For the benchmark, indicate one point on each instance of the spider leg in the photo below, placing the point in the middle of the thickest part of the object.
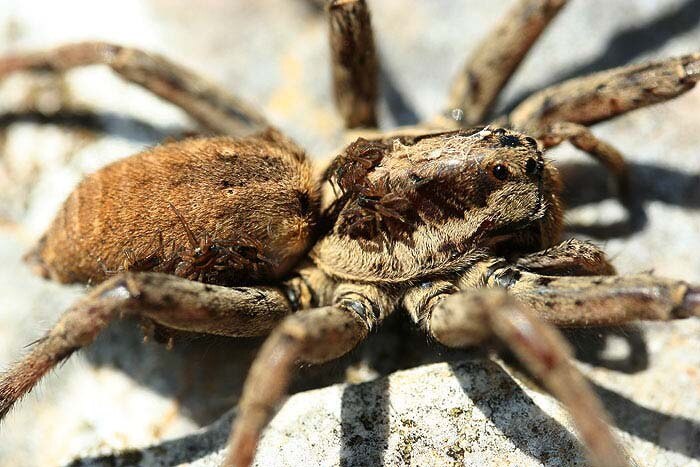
(599, 300)
(584, 139)
(563, 111)
(475, 316)
(211, 106)
(354, 62)
(314, 336)
(167, 300)
(569, 258)
(497, 57)
(606, 94)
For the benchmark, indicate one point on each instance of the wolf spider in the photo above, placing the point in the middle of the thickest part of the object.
(455, 224)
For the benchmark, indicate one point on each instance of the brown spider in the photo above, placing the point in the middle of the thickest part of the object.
(455, 224)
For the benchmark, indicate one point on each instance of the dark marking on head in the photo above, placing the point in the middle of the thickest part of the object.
(510, 141)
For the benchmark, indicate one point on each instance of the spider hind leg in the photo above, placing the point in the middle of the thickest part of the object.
(169, 301)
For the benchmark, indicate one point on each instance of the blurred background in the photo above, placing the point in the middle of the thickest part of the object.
(54, 129)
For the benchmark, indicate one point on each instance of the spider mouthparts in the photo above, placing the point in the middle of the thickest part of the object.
(690, 306)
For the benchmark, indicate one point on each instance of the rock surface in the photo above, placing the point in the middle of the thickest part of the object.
(468, 412)
(121, 395)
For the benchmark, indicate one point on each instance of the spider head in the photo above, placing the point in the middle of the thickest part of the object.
(464, 189)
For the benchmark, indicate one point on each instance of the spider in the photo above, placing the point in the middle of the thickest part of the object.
(455, 224)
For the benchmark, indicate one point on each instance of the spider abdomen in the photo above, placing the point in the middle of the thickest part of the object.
(219, 210)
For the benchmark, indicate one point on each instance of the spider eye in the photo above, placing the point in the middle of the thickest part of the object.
(500, 171)
(531, 167)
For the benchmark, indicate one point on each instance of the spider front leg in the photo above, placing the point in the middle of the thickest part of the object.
(563, 111)
(498, 56)
(213, 107)
(473, 317)
(584, 139)
(599, 300)
(313, 336)
(167, 300)
(606, 94)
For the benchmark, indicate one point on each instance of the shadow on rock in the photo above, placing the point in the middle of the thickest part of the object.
(590, 183)
(593, 346)
(205, 374)
(399, 108)
(174, 452)
(364, 424)
(112, 123)
(670, 432)
(517, 416)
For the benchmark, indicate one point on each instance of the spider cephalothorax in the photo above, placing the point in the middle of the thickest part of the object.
(418, 206)
(456, 227)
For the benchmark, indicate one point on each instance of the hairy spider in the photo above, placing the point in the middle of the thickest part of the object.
(455, 224)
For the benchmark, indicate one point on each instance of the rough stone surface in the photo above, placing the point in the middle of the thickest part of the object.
(122, 395)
